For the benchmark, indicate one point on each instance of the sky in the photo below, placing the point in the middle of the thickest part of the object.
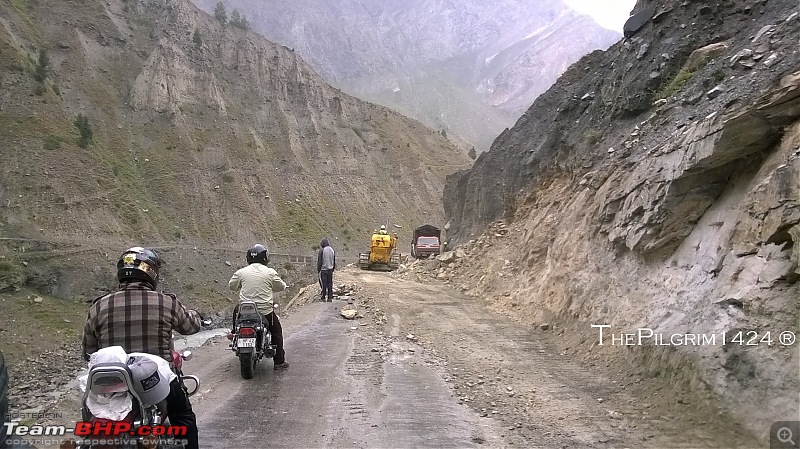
(610, 14)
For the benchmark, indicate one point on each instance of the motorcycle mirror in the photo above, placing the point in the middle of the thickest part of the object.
(192, 384)
(186, 355)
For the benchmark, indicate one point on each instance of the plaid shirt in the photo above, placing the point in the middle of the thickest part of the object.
(139, 319)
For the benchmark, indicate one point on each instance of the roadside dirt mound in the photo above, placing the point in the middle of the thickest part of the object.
(487, 270)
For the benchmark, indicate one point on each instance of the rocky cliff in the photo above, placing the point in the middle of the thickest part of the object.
(657, 185)
(467, 67)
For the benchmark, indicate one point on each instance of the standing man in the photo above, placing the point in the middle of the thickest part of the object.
(326, 263)
(256, 282)
(140, 319)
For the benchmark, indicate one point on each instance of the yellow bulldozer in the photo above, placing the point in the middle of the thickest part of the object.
(382, 255)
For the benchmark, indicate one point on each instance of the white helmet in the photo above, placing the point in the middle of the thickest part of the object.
(383, 227)
(150, 378)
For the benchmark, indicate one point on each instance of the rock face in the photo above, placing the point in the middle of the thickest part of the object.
(639, 199)
(468, 67)
(665, 195)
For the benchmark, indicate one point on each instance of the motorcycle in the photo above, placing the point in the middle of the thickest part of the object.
(113, 383)
(252, 340)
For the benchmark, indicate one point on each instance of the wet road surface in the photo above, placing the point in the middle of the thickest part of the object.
(340, 390)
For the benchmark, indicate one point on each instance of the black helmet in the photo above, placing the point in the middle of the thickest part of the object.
(258, 253)
(139, 264)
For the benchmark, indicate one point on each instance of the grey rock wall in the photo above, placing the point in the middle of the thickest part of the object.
(640, 203)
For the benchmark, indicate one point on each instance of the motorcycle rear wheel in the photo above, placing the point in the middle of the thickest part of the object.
(247, 364)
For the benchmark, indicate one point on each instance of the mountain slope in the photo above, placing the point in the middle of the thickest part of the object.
(655, 187)
(202, 136)
(468, 67)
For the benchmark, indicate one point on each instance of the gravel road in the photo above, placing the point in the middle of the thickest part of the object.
(426, 367)
(423, 366)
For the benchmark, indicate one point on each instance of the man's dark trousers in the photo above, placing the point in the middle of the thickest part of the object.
(326, 276)
(180, 413)
(277, 337)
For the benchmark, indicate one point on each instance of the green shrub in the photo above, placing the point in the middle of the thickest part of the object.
(42, 66)
(592, 136)
(51, 142)
(684, 74)
(220, 14)
(197, 39)
(718, 75)
(85, 130)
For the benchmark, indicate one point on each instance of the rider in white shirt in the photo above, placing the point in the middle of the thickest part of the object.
(256, 282)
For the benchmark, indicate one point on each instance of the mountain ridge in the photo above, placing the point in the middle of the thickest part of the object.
(427, 59)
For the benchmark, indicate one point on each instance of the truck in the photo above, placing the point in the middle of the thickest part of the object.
(426, 242)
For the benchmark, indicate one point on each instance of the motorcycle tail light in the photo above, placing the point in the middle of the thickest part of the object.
(247, 332)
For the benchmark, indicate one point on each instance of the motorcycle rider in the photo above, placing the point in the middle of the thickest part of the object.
(256, 282)
(140, 319)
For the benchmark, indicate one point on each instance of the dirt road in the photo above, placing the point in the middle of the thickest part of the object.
(426, 367)
(350, 384)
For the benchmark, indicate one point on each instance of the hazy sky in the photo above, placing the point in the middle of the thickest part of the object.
(610, 14)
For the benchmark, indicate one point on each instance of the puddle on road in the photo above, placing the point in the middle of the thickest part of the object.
(192, 341)
(181, 342)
